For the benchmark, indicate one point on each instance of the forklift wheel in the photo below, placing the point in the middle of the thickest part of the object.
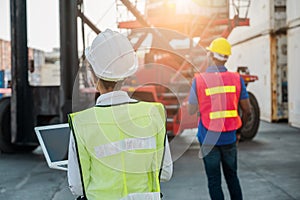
(5, 130)
(249, 130)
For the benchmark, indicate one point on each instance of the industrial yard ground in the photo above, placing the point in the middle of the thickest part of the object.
(269, 169)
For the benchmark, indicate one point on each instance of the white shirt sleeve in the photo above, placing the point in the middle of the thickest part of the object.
(167, 166)
(74, 177)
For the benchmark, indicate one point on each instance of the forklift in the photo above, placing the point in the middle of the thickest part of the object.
(31, 106)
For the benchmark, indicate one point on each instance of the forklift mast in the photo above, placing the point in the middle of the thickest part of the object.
(68, 55)
(29, 105)
(21, 99)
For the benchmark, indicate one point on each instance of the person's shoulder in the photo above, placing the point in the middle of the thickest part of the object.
(82, 112)
(145, 103)
(234, 74)
(153, 105)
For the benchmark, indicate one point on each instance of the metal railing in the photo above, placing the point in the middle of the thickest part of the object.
(240, 8)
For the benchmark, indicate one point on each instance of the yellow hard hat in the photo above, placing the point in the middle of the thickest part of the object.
(220, 46)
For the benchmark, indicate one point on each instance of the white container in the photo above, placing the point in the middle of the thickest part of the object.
(260, 22)
(293, 22)
(263, 48)
(255, 54)
(293, 76)
(293, 14)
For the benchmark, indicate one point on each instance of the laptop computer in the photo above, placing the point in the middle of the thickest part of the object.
(54, 141)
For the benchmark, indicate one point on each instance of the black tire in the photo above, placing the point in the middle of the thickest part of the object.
(249, 130)
(54, 120)
(5, 130)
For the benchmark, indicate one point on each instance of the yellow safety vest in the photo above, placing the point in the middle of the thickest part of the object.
(120, 150)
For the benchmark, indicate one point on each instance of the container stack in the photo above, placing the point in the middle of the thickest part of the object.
(293, 35)
(263, 48)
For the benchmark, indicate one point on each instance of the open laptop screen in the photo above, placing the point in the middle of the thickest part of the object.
(55, 139)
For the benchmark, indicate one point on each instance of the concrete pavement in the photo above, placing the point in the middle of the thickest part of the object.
(269, 168)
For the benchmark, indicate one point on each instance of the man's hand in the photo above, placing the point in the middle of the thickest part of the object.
(246, 109)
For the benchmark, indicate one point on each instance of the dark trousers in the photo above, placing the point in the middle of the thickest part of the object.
(225, 155)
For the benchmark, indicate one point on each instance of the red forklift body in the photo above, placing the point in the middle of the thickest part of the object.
(166, 70)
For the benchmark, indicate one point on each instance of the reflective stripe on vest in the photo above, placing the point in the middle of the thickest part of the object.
(218, 97)
(143, 196)
(220, 90)
(120, 150)
(223, 114)
(125, 145)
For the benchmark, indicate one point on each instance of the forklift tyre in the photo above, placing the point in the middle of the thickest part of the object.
(249, 130)
(5, 130)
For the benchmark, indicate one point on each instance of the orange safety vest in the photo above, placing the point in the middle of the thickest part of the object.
(218, 98)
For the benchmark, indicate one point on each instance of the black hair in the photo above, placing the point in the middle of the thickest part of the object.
(216, 61)
(115, 85)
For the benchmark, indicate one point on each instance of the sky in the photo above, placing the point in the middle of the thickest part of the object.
(43, 21)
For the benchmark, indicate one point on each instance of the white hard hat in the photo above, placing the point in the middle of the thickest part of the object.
(112, 56)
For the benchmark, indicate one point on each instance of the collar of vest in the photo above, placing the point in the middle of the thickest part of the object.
(117, 104)
(114, 97)
(216, 69)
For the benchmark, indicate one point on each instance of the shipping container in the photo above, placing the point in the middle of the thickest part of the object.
(36, 61)
(293, 23)
(293, 14)
(5, 58)
(255, 54)
(263, 48)
(260, 22)
(44, 69)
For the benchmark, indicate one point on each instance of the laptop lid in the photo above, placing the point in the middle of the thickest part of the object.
(54, 141)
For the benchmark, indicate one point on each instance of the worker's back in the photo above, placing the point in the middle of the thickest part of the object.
(120, 149)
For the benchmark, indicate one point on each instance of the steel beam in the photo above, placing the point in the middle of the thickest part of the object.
(88, 22)
(21, 100)
(68, 54)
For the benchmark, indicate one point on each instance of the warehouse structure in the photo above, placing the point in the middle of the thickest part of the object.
(270, 48)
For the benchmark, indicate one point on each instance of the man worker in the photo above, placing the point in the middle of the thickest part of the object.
(118, 149)
(216, 94)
